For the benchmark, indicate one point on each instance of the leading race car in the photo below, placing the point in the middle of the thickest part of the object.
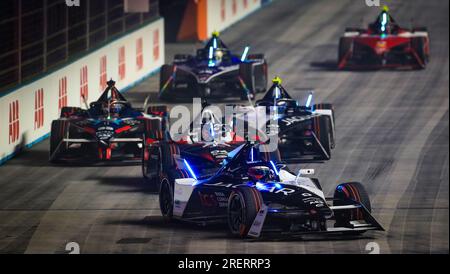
(305, 131)
(109, 129)
(384, 45)
(258, 196)
(214, 71)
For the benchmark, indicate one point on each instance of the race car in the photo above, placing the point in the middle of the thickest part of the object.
(305, 131)
(258, 197)
(208, 139)
(214, 71)
(384, 45)
(109, 129)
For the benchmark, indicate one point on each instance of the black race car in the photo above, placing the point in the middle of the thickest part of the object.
(305, 131)
(214, 71)
(384, 44)
(256, 195)
(109, 129)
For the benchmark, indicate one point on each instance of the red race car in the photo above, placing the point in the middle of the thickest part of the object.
(384, 45)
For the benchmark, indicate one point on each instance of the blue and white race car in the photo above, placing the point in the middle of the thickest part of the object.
(258, 196)
(305, 131)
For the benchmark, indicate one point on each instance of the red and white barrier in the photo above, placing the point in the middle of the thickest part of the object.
(26, 113)
(202, 17)
(223, 13)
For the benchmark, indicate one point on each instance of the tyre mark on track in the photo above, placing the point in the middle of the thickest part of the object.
(416, 223)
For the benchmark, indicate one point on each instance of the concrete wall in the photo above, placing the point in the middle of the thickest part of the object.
(26, 113)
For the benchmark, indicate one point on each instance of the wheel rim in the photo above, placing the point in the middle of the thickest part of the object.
(235, 214)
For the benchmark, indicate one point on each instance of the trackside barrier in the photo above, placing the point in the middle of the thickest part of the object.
(202, 17)
(26, 113)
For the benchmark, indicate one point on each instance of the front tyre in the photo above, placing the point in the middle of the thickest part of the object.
(166, 200)
(347, 194)
(243, 206)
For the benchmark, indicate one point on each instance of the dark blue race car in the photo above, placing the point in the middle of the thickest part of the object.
(109, 129)
(214, 71)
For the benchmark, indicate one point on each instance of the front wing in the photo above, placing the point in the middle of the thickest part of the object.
(259, 225)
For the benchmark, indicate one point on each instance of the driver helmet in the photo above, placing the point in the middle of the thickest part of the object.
(218, 55)
(115, 109)
(105, 107)
(260, 173)
(208, 132)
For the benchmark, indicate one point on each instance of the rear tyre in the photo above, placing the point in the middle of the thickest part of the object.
(322, 130)
(344, 48)
(58, 131)
(261, 78)
(69, 111)
(181, 58)
(350, 193)
(151, 164)
(165, 82)
(257, 56)
(260, 72)
(158, 128)
(329, 106)
(154, 131)
(246, 73)
(243, 206)
(160, 110)
(151, 153)
(168, 150)
(419, 45)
